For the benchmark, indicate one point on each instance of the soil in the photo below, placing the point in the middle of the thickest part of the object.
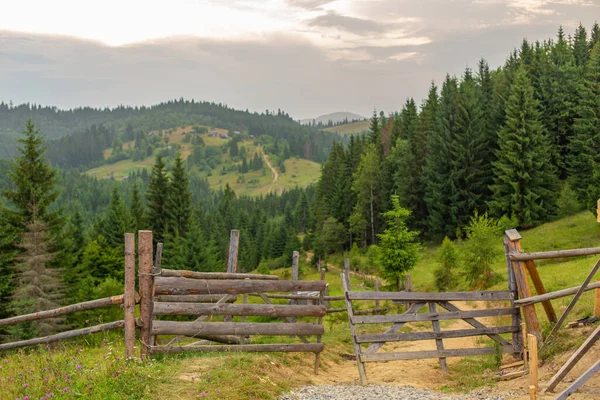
(275, 174)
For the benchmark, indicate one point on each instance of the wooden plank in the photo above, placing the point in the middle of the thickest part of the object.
(435, 335)
(413, 309)
(362, 372)
(532, 346)
(512, 365)
(512, 286)
(511, 375)
(185, 286)
(196, 298)
(574, 359)
(473, 322)
(441, 316)
(542, 255)
(176, 273)
(347, 271)
(540, 289)
(371, 310)
(513, 235)
(146, 282)
(434, 296)
(234, 241)
(194, 329)
(415, 355)
(156, 271)
(593, 370)
(300, 297)
(564, 316)
(529, 313)
(295, 267)
(239, 309)
(320, 322)
(284, 319)
(309, 348)
(439, 344)
(87, 305)
(64, 335)
(129, 296)
(555, 295)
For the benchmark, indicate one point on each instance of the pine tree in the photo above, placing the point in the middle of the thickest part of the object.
(116, 220)
(157, 196)
(137, 210)
(8, 237)
(367, 187)
(179, 199)
(580, 46)
(594, 36)
(375, 129)
(524, 180)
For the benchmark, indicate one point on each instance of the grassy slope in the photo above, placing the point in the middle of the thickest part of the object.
(299, 172)
(354, 127)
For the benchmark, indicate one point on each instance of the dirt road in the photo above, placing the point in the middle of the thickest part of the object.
(275, 174)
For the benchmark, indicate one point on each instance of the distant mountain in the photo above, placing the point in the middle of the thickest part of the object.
(335, 117)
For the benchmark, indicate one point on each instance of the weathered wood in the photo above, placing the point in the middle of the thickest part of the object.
(415, 355)
(244, 301)
(308, 348)
(532, 392)
(413, 309)
(300, 297)
(529, 313)
(156, 271)
(382, 319)
(196, 298)
(540, 289)
(512, 365)
(511, 375)
(555, 295)
(574, 359)
(371, 310)
(512, 286)
(593, 370)
(574, 300)
(129, 296)
(320, 322)
(234, 241)
(513, 235)
(439, 344)
(532, 346)
(474, 323)
(184, 286)
(376, 288)
(336, 310)
(239, 309)
(542, 255)
(436, 334)
(87, 305)
(195, 329)
(362, 373)
(434, 296)
(176, 273)
(146, 282)
(64, 335)
(295, 256)
(347, 271)
(284, 319)
(524, 341)
(322, 273)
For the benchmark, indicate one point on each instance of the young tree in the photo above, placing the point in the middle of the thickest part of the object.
(116, 220)
(399, 249)
(179, 199)
(480, 251)
(524, 180)
(567, 203)
(448, 263)
(375, 129)
(367, 187)
(157, 196)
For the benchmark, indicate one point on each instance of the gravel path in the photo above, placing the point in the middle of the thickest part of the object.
(357, 392)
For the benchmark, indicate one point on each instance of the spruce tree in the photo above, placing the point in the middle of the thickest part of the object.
(524, 178)
(367, 187)
(116, 220)
(157, 196)
(137, 210)
(580, 46)
(375, 129)
(179, 199)
(594, 36)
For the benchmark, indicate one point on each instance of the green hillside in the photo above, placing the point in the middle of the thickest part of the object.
(348, 129)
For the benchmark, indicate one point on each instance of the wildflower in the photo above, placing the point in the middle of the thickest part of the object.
(218, 391)
(25, 397)
(203, 394)
(66, 389)
(78, 366)
(25, 385)
(5, 361)
(45, 369)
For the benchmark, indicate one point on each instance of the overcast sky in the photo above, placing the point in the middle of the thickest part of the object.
(307, 57)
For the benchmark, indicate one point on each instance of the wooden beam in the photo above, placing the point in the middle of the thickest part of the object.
(195, 329)
(532, 346)
(145, 271)
(415, 355)
(362, 372)
(239, 309)
(433, 296)
(64, 335)
(185, 286)
(173, 273)
(555, 295)
(542, 255)
(593, 370)
(295, 272)
(540, 289)
(413, 309)
(512, 286)
(382, 319)
(196, 298)
(129, 296)
(574, 359)
(234, 241)
(435, 335)
(439, 344)
(309, 348)
(513, 235)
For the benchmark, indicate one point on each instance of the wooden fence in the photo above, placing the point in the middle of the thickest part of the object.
(416, 301)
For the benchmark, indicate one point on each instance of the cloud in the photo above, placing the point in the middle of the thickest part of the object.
(308, 4)
(353, 25)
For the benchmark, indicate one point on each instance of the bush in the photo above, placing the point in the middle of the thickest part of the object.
(445, 276)
(480, 251)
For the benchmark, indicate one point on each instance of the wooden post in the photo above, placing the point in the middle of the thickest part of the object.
(295, 256)
(129, 296)
(146, 289)
(525, 352)
(540, 289)
(439, 344)
(532, 344)
(362, 372)
(518, 340)
(245, 301)
(597, 291)
(519, 269)
(326, 291)
(234, 242)
(157, 269)
(377, 290)
(532, 392)
(347, 270)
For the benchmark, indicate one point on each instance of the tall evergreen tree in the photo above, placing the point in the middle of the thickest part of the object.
(375, 129)
(367, 187)
(137, 210)
(179, 199)
(157, 196)
(580, 46)
(116, 220)
(524, 181)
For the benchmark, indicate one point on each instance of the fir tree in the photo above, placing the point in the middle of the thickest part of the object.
(179, 199)
(375, 129)
(367, 187)
(157, 196)
(137, 210)
(524, 179)
(449, 263)
(116, 220)
(580, 46)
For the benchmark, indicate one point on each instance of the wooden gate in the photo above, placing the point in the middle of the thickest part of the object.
(416, 301)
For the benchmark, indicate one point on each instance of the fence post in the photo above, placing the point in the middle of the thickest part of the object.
(234, 241)
(532, 344)
(295, 256)
(347, 270)
(156, 270)
(129, 296)
(326, 292)
(518, 340)
(146, 288)
(597, 291)
(376, 285)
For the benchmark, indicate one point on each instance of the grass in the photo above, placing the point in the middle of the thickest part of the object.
(347, 129)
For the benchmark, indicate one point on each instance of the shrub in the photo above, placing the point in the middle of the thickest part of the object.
(445, 276)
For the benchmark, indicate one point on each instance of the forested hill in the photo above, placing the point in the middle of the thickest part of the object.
(85, 132)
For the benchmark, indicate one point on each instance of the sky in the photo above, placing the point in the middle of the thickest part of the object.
(306, 57)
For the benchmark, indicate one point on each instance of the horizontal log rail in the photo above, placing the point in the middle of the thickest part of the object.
(214, 275)
(371, 310)
(415, 355)
(457, 333)
(64, 335)
(266, 310)
(541, 255)
(301, 297)
(554, 295)
(433, 296)
(185, 286)
(440, 316)
(308, 348)
(196, 298)
(197, 329)
(85, 306)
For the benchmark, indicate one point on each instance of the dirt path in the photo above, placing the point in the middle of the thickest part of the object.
(274, 171)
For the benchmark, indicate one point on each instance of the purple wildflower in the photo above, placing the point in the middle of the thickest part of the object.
(203, 394)
(78, 366)
(25, 397)
(5, 361)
